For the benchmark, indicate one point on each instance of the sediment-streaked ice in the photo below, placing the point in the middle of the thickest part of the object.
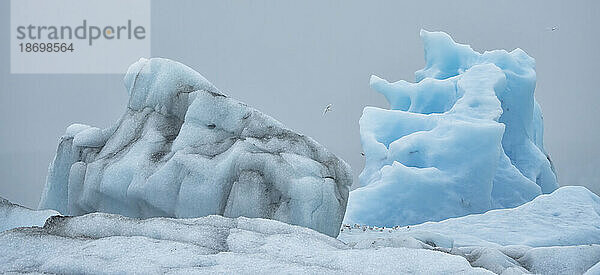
(184, 149)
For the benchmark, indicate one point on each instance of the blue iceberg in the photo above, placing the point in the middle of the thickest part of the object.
(467, 137)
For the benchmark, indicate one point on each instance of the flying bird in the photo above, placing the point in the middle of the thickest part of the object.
(327, 108)
(554, 28)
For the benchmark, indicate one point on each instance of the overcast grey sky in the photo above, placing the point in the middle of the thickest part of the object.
(291, 58)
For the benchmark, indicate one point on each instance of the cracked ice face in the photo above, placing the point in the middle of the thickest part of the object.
(184, 149)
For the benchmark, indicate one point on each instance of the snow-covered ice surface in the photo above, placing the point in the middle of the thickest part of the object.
(568, 216)
(554, 234)
(557, 233)
(13, 215)
(466, 138)
(108, 243)
(184, 149)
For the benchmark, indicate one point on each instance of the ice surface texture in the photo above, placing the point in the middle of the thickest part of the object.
(184, 149)
(568, 216)
(13, 216)
(558, 233)
(107, 243)
(554, 234)
(466, 138)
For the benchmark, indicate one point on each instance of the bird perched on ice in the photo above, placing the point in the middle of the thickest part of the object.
(327, 108)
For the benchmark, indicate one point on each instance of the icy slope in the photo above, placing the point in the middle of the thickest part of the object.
(107, 243)
(184, 149)
(568, 216)
(557, 233)
(13, 215)
(466, 138)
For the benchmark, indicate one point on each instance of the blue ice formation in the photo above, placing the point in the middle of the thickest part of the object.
(467, 137)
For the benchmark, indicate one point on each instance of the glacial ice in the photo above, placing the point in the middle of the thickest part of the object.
(595, 270)
(108, 243)
(13, 216)
(557, 233)
(466, 138)
(184, 149)
(568, 216)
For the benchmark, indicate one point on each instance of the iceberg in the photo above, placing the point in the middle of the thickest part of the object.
(467, 137)
(184, 149)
